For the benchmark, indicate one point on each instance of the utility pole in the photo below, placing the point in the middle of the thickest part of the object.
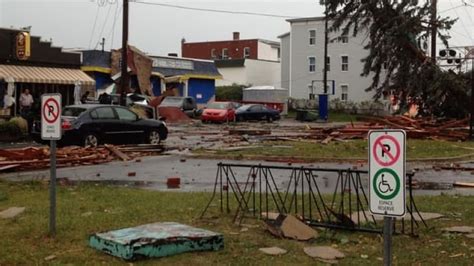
(124, 78)
(471, 120)
(434, 28)
(102, 43)
(323, 98)
(325, 74)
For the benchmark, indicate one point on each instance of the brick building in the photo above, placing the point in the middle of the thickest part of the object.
(236, 48)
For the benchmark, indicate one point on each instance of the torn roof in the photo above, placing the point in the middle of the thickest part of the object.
(164, 65)
(175, 66)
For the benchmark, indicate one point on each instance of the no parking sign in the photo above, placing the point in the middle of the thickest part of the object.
(387, 172)
(51, 116)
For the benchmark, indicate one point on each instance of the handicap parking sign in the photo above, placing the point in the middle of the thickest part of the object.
(387, 172)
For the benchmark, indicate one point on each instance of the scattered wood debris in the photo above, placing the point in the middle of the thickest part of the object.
(33, 158)
(118, 153)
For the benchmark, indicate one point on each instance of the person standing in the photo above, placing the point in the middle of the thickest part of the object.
(85, 97)
(26, 102)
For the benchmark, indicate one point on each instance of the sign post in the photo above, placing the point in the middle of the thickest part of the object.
(387, 180)
(51, 130)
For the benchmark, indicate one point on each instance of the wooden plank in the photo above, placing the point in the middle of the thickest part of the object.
(463, 184)
(117, 153)
(6, 167)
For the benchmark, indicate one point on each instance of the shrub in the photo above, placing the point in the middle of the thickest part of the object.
(21, 123)
(10, 128)
(230, 93)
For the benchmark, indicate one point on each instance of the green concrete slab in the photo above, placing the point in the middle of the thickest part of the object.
(156, 240)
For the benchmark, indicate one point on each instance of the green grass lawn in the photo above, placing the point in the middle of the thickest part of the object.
(83, 210)
(355, 149)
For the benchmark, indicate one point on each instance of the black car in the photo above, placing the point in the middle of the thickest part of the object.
(256, 112)
(94, 124)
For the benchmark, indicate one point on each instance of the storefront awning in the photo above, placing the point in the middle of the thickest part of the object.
(46, 75)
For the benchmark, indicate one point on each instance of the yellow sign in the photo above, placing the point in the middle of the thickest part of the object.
(23, 46)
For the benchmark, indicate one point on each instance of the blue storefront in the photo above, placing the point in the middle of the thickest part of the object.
(189, 77)
(186, 77)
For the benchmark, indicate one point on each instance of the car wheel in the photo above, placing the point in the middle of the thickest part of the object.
(154, 137)
(240, 118)
(91, 140)
(269, 119)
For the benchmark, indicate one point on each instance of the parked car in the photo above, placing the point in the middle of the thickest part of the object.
(94, 124)
(133, 100)
(219, 112)
(187, 104)
(256, 112)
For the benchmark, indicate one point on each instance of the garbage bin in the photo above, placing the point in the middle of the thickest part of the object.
(301, 115)
(323, 106)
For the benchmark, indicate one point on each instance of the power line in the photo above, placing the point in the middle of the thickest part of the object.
(93, 28)
(103, 26)
(467, 13)
(214, 10)
(452, 8)
(117, 12)
(462, 22)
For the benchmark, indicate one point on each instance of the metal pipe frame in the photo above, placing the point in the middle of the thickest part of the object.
(259, 195)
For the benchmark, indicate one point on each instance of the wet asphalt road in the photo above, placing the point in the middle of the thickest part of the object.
(200, 174)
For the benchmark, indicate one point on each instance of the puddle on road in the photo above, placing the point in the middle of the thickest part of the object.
(432, 186)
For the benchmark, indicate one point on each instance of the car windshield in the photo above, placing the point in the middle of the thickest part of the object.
(172, 101)
(218, 105)
(73, 111)
(244, 107)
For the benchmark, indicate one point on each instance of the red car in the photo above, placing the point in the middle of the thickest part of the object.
(219, 112)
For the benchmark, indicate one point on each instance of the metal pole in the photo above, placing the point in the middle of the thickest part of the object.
(434, 29)
(124, 79)
(325, 76)
(52, 190)
(471, 120)
(387, 241)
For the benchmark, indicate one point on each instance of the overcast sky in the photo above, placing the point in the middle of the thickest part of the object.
(158, 30)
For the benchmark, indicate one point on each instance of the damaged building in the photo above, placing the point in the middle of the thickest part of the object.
(153, 75)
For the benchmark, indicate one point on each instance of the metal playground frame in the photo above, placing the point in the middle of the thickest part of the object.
(257, 194)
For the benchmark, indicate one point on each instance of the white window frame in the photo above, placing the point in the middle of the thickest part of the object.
(213, 53)
(342, 93)
(312, 38)
(344, 64)
(309, 64)
(246, 52)
(225, 53)
(344, 39)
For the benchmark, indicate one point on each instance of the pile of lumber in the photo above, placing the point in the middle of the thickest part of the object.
(421, 128)
(33, 158)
